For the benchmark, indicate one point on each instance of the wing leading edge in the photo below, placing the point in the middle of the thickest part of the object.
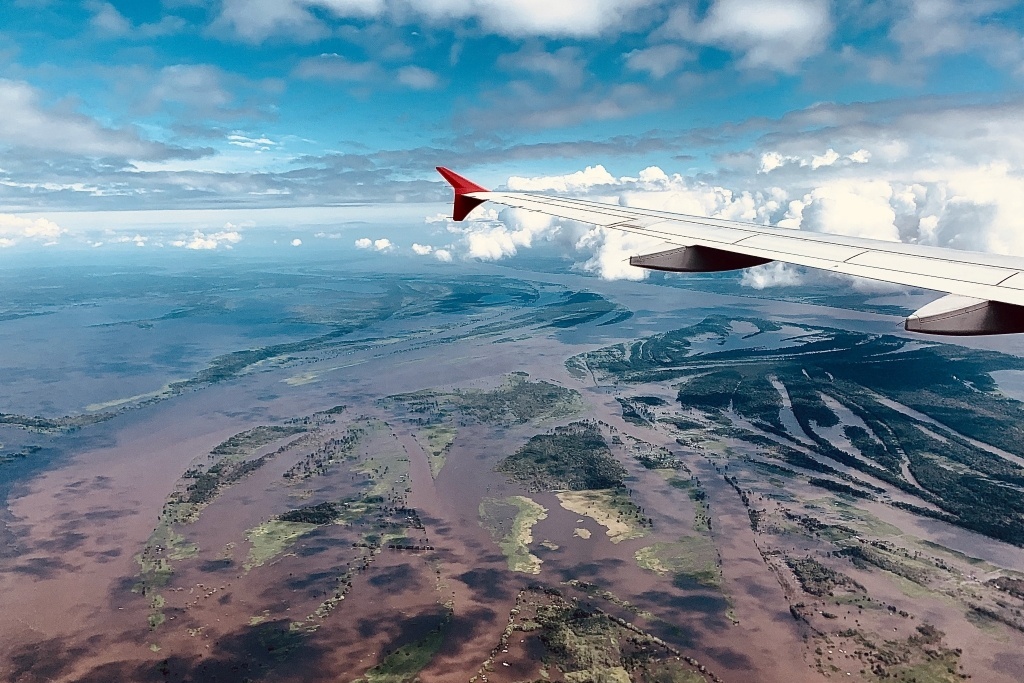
(985, 291)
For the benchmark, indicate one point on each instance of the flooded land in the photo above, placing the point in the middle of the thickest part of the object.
(257, 473)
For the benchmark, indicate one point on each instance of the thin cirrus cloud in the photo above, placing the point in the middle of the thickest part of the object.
(333, 67)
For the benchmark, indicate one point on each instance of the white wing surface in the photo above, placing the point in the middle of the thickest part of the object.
(986, 291)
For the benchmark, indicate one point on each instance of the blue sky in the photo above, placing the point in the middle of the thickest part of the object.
(188, 105)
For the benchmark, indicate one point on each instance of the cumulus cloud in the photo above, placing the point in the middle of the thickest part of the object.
(494, 236)
(881, 185)
(17, 228)
(611, 250)
(580, 181)
(296, 242)
(443, 255)
(382, 244)
(201, 241)
(422, 249)
(136, 239)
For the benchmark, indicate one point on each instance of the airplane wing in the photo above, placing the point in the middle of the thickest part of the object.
(985, 291)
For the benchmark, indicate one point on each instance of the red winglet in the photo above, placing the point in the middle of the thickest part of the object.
(463, 204)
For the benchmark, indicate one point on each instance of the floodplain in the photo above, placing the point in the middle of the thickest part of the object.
(507, 477)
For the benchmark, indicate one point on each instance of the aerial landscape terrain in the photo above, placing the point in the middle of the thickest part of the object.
(255, 471)
(325, 357)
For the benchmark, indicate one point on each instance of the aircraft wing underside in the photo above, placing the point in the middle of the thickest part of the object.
(985, 291)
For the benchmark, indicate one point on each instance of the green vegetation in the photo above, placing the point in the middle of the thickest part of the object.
(321, 513)
(636, 411)
(836, 487)
(575, 457)
(46, 425)
(696, 492)
(612, 509)
(272, 538)
(334, 450)
(510, 521)
(439, 440)
(519, 401)
(817, 579)
(583, 644)
(230, 465)
(881, 555)
(920, 658)
(1014, 587)
(248, 441)
(691, 557)
(869, 376)
(404, 664)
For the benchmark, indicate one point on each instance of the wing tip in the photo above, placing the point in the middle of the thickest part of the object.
(462, 186)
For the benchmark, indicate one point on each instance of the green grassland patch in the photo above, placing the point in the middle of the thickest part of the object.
(510, 521)
(693, 557)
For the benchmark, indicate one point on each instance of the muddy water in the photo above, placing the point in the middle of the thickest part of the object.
(67, 603)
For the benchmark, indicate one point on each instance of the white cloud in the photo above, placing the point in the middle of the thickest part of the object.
(107, 21)
(771, 275)
(422, 249)
(382, 244)
(565, 65)
(26, 122)
(296, 242)
(928, 28)
(888, 188)
(659, 61)
(15, 228)
(262, 143)
(137, 239)
(256, 20)
(202, 241)
(773, 34)
(443, 255)
(580, 181)
(827, 159)
(499, 235)
(852, 208)
(417, 78)
(861, 156)
(611, 250)
(569, 18)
